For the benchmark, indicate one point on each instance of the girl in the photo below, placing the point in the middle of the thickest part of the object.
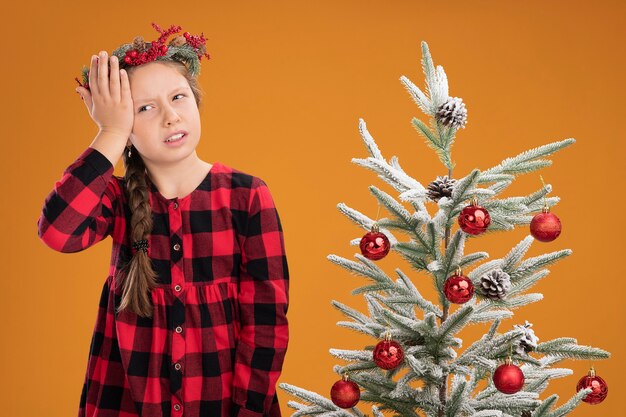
(192, 318)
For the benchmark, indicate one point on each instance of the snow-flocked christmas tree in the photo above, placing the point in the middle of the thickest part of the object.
(501, 374)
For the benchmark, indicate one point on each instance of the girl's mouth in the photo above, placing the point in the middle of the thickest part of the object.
(176, 140)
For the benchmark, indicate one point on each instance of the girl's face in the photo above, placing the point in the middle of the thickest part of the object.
(163, 105)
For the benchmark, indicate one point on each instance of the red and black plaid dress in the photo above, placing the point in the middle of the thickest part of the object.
(216, 342)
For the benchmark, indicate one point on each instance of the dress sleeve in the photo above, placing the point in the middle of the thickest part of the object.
(263, 301)
(79, 211)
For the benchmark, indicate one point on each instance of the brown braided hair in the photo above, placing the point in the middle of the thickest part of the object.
(138, 277)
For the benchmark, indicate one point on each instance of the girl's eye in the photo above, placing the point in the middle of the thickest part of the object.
(147, 105)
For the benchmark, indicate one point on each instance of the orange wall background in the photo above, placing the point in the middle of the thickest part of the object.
(285, 87)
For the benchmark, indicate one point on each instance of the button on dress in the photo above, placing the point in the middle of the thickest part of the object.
(216, 342)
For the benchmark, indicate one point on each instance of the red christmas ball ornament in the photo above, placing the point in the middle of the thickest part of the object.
(458, 288)
(374, 245)
(545, 226)
(599, 387)
(345, 393)
(388, 354)
(474, 219)
(508, 378)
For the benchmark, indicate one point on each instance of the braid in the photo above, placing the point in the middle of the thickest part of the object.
(140, 277)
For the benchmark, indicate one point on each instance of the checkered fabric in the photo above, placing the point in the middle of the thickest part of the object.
(216, 342)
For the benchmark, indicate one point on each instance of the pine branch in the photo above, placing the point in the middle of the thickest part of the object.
(493, 348)
(350, 312)
(550, 344)
(371, 288)
(391, 175)
(527, 283)
(370, 329)
(488, 413)
(472, 258)
(512, 165)
(366, 269)
(538, 385)
(574, 351)
(358, 366)
(431, 79)
(413, 296)
(394, 207)
(571, 404)
(508, 403)
(531, 265)
(370, 144)
(497, 178)
(481, 270)
(418, 96)
(498, 187)
(398, 308)
(310, 396)
(454, 323)
(544, 408)
(352, 355)
(552, 373)
(516, 302)
(376, 412)
(450, 261)
(411, 326)
(491, 316)
(456, 399)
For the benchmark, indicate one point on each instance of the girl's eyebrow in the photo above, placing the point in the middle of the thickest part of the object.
(148, 99)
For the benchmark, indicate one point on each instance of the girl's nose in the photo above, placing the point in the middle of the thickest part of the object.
(171, 116)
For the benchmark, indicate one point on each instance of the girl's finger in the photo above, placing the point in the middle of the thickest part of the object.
(88, 104)
(114, 82)
(84, 94)
(125, 93)
(93, 75)
(103, 75)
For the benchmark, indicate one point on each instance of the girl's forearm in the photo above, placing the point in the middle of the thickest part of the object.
(110, 144)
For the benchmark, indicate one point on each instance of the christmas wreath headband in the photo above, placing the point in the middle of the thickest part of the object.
(186, 48)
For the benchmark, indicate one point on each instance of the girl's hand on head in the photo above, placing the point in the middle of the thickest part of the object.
(108, 100)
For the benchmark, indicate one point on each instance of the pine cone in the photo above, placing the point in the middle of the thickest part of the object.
(528, 342)
(139, 45)
(495, 284)
(178, 41)
(441, 187)
(452, 113)
(526, 413)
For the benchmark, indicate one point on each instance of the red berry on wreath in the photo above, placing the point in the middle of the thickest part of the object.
(458, 288)
(345, 393)
(599, 387)
(508, 378)
(545, 226)
(374, 245)
(388, 354)
(474, 219)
